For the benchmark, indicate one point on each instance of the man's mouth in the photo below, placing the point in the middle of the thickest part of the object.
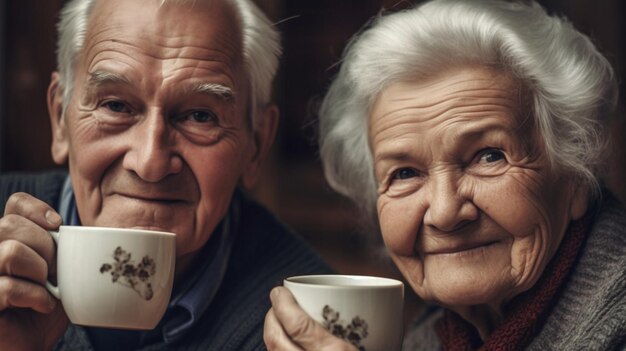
(166, 200)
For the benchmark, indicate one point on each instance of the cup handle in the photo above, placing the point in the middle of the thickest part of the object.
(54, 290)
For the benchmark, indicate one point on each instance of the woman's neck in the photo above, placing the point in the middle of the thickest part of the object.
(485, 318)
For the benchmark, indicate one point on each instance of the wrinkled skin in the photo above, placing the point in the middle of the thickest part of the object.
(156, 136)
(469, 208)
(30, 318)
(289, 328)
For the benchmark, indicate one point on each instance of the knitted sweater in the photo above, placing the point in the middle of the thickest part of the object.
(263, 254)
(590, 313)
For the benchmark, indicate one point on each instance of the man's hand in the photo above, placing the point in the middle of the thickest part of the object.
(288, 327)
(30, 318)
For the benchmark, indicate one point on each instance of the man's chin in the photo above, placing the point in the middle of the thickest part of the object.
(160, 224)
(139, 214)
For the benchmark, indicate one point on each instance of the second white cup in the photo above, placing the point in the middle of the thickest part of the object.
(363, 310)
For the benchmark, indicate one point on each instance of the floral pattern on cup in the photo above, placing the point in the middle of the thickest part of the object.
(354, 333)
(124, 271)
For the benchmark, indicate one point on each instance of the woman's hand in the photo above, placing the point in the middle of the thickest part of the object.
(288, 327)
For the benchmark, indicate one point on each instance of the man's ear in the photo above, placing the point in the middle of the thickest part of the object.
(60, 142)
(263, 140)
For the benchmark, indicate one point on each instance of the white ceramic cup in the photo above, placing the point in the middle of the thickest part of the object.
(363, 310)
(114, 277)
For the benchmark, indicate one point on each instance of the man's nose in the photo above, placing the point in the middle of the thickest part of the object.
(152, 155)
(448, 208)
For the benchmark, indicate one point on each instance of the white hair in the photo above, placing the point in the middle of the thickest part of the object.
(571, 86)
(261, 48)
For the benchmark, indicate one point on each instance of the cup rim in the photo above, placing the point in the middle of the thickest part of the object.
(117, 229)
(381, 282)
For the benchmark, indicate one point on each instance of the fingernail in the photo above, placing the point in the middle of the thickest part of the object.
(275, 292)
(53, 217)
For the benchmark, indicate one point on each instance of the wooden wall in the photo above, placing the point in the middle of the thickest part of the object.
(315, 32)
(28, 57)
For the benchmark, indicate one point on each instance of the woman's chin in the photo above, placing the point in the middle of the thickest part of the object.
(462, 291)
(464, 298)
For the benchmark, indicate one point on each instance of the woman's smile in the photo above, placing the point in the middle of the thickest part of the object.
(461, 250)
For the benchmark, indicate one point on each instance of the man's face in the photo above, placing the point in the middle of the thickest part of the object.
(155, 132)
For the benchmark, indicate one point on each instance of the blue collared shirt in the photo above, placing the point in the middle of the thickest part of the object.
(190, 297)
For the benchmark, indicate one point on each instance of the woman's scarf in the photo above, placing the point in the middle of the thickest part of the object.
(526, 313)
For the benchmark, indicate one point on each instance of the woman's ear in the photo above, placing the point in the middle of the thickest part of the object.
(263, 138)
(579, 200)
(60, 142)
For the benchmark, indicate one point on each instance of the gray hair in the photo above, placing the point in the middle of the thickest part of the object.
(261, 48)
(571, 86)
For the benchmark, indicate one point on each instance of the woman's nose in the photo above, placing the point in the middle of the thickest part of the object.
(448, 209)
(151, 155)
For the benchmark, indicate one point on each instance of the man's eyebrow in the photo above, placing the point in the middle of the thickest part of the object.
(99, 78)
(214, 89)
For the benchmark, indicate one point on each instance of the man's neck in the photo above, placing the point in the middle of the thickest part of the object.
(183, 266)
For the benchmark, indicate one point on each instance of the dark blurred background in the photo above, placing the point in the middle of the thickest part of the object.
(314, 35)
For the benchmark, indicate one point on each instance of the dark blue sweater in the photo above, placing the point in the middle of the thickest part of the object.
(263, 254)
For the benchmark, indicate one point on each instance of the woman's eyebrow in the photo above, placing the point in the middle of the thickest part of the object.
(400, 151)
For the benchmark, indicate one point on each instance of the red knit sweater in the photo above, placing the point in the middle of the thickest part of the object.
(526, 313)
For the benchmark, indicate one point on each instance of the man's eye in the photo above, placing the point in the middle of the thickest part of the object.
(491, 156)
(201, 116)
(405, 173)
(116, 106)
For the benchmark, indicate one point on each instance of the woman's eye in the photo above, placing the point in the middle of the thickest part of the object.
(405, 173)
(491, 156)
(116, 106)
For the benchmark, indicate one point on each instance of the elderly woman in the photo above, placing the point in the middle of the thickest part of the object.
(476, 131)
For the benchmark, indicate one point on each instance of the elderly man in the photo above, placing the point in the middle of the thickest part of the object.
(161, 111)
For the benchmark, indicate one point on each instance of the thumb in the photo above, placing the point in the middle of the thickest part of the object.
(300, 327)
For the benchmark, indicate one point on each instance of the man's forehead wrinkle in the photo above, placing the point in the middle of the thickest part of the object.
(105, 56)
(220, 49)
(207, 57)
(224, 30)
(216, 14)
(232, 42)
(153, 50)
(108, 50)
(164, 42)
(220, 44)
(206, 72)
(171, 66)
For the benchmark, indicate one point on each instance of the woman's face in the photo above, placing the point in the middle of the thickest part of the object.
(468, 206)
